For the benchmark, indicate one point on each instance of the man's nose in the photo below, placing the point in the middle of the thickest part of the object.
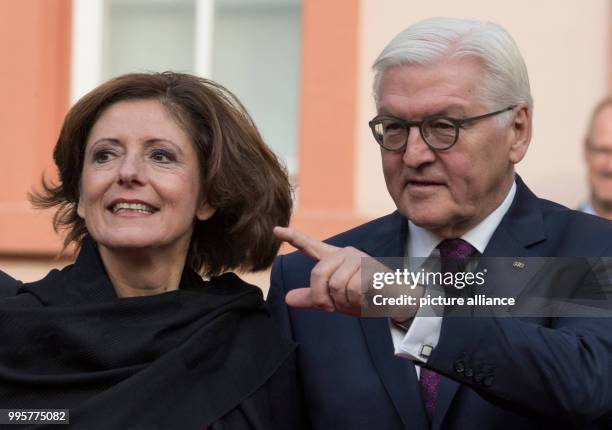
(417, 152)
(131, 171)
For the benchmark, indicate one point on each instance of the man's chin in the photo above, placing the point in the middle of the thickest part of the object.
(426, 219)
(604, 202)
(440, 220)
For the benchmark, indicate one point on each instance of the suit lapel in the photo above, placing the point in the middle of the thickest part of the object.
(521, 228)
(517, 263)
(446, 393)
(397, 375)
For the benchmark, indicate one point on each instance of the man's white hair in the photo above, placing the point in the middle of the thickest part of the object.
(505, 82)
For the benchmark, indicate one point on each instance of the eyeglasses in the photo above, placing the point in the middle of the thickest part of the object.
(439, 132)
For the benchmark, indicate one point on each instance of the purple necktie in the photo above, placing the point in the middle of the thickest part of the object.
(454, 256)
(429, 390)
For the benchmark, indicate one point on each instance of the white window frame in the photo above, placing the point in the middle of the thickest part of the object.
(87, 43)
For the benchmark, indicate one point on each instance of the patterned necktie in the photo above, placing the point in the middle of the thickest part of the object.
(455, 254)
(454, 257)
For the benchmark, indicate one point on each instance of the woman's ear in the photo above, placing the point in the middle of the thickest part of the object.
(205, 211)
(80, 211)
(79, 208)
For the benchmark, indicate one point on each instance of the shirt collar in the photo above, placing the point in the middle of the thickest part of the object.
(421, 242)
(587, 207)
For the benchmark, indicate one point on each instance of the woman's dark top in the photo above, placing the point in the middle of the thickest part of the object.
(205, 356)
(8, 285)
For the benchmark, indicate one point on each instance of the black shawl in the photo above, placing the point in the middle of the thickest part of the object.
(8, 285)
(205, 356)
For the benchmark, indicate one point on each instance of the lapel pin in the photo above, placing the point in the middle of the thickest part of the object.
(518, 264)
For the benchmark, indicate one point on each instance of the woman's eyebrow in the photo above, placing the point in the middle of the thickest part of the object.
(147, 144)
(107, 139)
(153, 141)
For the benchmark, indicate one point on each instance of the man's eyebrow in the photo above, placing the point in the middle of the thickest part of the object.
(384, 111)
(457, 111)
(452, 110)
(600, 144)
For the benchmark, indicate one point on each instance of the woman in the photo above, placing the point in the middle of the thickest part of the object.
(162, 176)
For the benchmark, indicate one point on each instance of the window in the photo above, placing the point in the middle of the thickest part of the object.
(148, 35)
(256, 54)
(250, 46)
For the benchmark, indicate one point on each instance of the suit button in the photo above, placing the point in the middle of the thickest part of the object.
(459, 366)
(478, 377)
(469, 372)
(488, 381)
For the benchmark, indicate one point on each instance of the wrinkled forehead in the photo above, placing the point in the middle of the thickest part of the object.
(450, 86)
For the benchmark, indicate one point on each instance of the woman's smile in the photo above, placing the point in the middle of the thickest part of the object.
(132, 208)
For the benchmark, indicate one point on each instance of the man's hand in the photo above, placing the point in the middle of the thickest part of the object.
(335, 281)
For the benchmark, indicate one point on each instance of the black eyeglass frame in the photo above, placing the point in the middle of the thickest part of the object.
(457, 123)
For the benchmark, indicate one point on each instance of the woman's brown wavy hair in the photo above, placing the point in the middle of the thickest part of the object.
(241, 177)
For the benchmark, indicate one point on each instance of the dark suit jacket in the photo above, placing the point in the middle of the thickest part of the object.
(500, 373)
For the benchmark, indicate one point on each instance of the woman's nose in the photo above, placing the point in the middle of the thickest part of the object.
(131, 171)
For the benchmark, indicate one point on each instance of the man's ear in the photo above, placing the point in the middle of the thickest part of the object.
(205, 211)
(520, 133)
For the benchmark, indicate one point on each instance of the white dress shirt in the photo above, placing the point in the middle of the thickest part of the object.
(424, 332)
(587, 207)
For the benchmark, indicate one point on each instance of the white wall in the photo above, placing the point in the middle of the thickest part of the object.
(565, 46)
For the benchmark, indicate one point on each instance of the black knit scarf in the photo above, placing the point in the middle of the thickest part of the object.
(178, 360)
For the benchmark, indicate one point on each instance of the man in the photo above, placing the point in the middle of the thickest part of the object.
(454, 117)
(598, 156)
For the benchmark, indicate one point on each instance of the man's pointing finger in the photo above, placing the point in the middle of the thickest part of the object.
(309, 246)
